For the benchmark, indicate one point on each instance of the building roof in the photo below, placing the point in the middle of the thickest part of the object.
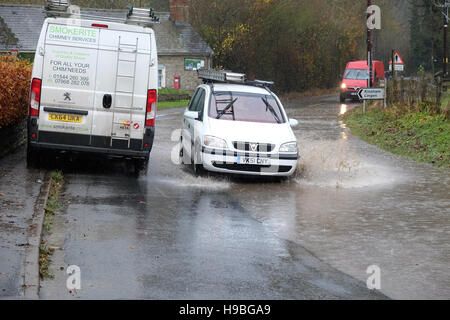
(172, 38)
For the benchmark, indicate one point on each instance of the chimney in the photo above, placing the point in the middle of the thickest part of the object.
(179, 10)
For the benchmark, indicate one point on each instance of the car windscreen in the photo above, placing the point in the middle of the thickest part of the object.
(356, 74)
(242, 106)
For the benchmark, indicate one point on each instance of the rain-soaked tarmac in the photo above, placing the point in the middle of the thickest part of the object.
(171, 235)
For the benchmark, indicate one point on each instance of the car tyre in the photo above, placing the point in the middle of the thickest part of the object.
(341, 98)
(197, 163)
(182, 153)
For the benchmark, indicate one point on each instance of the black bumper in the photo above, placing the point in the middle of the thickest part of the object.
(88, 149)
(350, 95)
(139, 148)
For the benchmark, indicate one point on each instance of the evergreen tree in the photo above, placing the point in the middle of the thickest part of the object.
(426, 34)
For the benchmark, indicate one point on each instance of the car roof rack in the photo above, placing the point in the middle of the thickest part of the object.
(137, 16)
(220, 76)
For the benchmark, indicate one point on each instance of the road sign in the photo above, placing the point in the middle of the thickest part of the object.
(399, 63)
(371, 93)
(398, 67)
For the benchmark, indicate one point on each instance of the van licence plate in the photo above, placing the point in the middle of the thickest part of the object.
(253, 160)
(65, 117)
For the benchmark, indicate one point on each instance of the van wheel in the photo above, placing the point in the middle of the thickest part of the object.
(141, 167)
(33, 157)
(341, 99)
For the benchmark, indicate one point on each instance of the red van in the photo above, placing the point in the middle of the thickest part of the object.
(356, 76)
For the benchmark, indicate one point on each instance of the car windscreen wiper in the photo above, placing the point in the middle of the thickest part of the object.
(270, 108)
(220, 113)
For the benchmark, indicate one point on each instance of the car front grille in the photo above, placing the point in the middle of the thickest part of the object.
(253, 147)
(250, 167)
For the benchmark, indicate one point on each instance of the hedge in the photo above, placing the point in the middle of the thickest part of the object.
(14, 89)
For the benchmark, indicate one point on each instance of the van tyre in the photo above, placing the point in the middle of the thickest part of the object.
(341, 98)
(141, 167)
(33, 157)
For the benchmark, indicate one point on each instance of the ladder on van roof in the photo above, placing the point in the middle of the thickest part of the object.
(124, 49)
(137, 16)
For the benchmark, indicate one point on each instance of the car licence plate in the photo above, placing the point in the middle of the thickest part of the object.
(65, 117)
(252, 160)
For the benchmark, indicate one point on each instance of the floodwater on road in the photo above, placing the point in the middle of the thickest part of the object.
(173, 235)
(354, 205)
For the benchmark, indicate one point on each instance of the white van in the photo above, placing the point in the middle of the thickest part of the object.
(94, 89)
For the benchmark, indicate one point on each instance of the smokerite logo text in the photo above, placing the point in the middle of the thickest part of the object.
(73, 34)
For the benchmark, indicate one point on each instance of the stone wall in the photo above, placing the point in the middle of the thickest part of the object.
(175, 66)
(12, 137)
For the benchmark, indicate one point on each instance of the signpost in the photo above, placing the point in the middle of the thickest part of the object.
(373, 22)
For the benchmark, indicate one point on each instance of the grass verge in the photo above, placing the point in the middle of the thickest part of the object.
(44, 262)
(422, 135)
(172, 104)
(53, 206)
(172, 91)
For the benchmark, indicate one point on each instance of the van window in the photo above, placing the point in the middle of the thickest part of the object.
(356, 74)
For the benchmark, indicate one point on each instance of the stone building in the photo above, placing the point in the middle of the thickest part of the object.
(181, 51)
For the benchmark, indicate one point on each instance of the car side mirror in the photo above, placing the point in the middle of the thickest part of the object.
(293, 122)
(194, 115)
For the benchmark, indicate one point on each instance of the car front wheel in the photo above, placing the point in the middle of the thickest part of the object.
(197, 163)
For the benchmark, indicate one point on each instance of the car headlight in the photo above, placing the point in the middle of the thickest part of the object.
(290, 147)
(343, 86)
(213, 142)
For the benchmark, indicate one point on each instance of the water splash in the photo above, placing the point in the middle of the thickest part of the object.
(334, 163)
(189, 180)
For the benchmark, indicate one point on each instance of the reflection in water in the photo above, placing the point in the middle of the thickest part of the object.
(344, 109)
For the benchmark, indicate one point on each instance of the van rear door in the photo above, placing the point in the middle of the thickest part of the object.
(68, 84)
(121, 89)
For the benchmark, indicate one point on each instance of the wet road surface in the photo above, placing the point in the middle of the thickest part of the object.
(176, 236)
(19, 188)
